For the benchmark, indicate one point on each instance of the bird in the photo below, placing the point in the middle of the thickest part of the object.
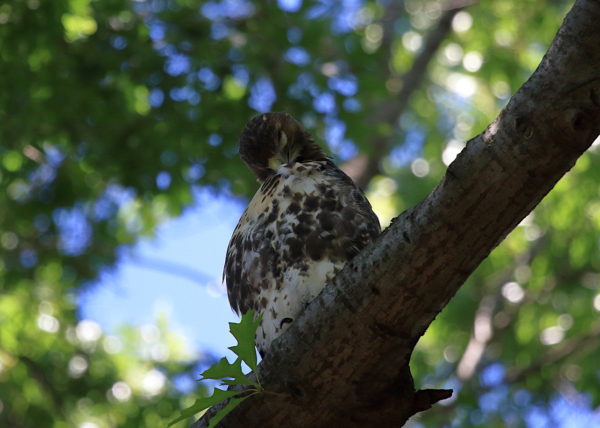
(305, 222)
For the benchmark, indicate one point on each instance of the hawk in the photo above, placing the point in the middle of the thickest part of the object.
(304, 223)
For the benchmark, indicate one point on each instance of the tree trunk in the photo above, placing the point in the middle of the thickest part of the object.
(345, 360)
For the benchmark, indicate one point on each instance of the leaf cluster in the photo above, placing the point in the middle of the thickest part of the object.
(230, 374)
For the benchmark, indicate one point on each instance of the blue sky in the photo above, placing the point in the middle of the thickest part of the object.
(145, 283)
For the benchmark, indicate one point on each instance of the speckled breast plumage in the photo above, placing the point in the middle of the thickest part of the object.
(304, 223)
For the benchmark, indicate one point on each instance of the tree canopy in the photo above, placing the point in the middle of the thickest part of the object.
(113, 112)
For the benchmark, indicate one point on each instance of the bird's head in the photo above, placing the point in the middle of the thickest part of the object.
(274, 139)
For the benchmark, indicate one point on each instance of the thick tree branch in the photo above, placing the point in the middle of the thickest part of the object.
(345, 359)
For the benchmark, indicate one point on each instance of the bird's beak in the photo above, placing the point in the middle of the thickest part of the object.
(275, 163)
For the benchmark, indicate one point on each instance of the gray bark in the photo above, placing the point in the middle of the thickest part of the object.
(345, 360)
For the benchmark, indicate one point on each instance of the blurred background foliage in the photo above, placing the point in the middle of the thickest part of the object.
(113, 112)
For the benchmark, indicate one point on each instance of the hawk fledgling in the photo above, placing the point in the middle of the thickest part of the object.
(300, 228)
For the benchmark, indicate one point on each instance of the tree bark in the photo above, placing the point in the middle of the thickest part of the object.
(345, 359)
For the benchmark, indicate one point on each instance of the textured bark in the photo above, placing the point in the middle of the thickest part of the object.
(345, 360)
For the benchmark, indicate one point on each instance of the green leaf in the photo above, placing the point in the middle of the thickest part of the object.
(233, 88)
(233, 403)
(223, 368)
(200, 404)
(243, 380)
(245, 334)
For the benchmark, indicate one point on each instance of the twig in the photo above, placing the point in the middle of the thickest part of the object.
(172, 268)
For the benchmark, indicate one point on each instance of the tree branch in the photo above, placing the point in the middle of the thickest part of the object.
(555, 354)
(483, 328)
(172, 268)
(38, 373)
(361, 168)
(345, 359)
